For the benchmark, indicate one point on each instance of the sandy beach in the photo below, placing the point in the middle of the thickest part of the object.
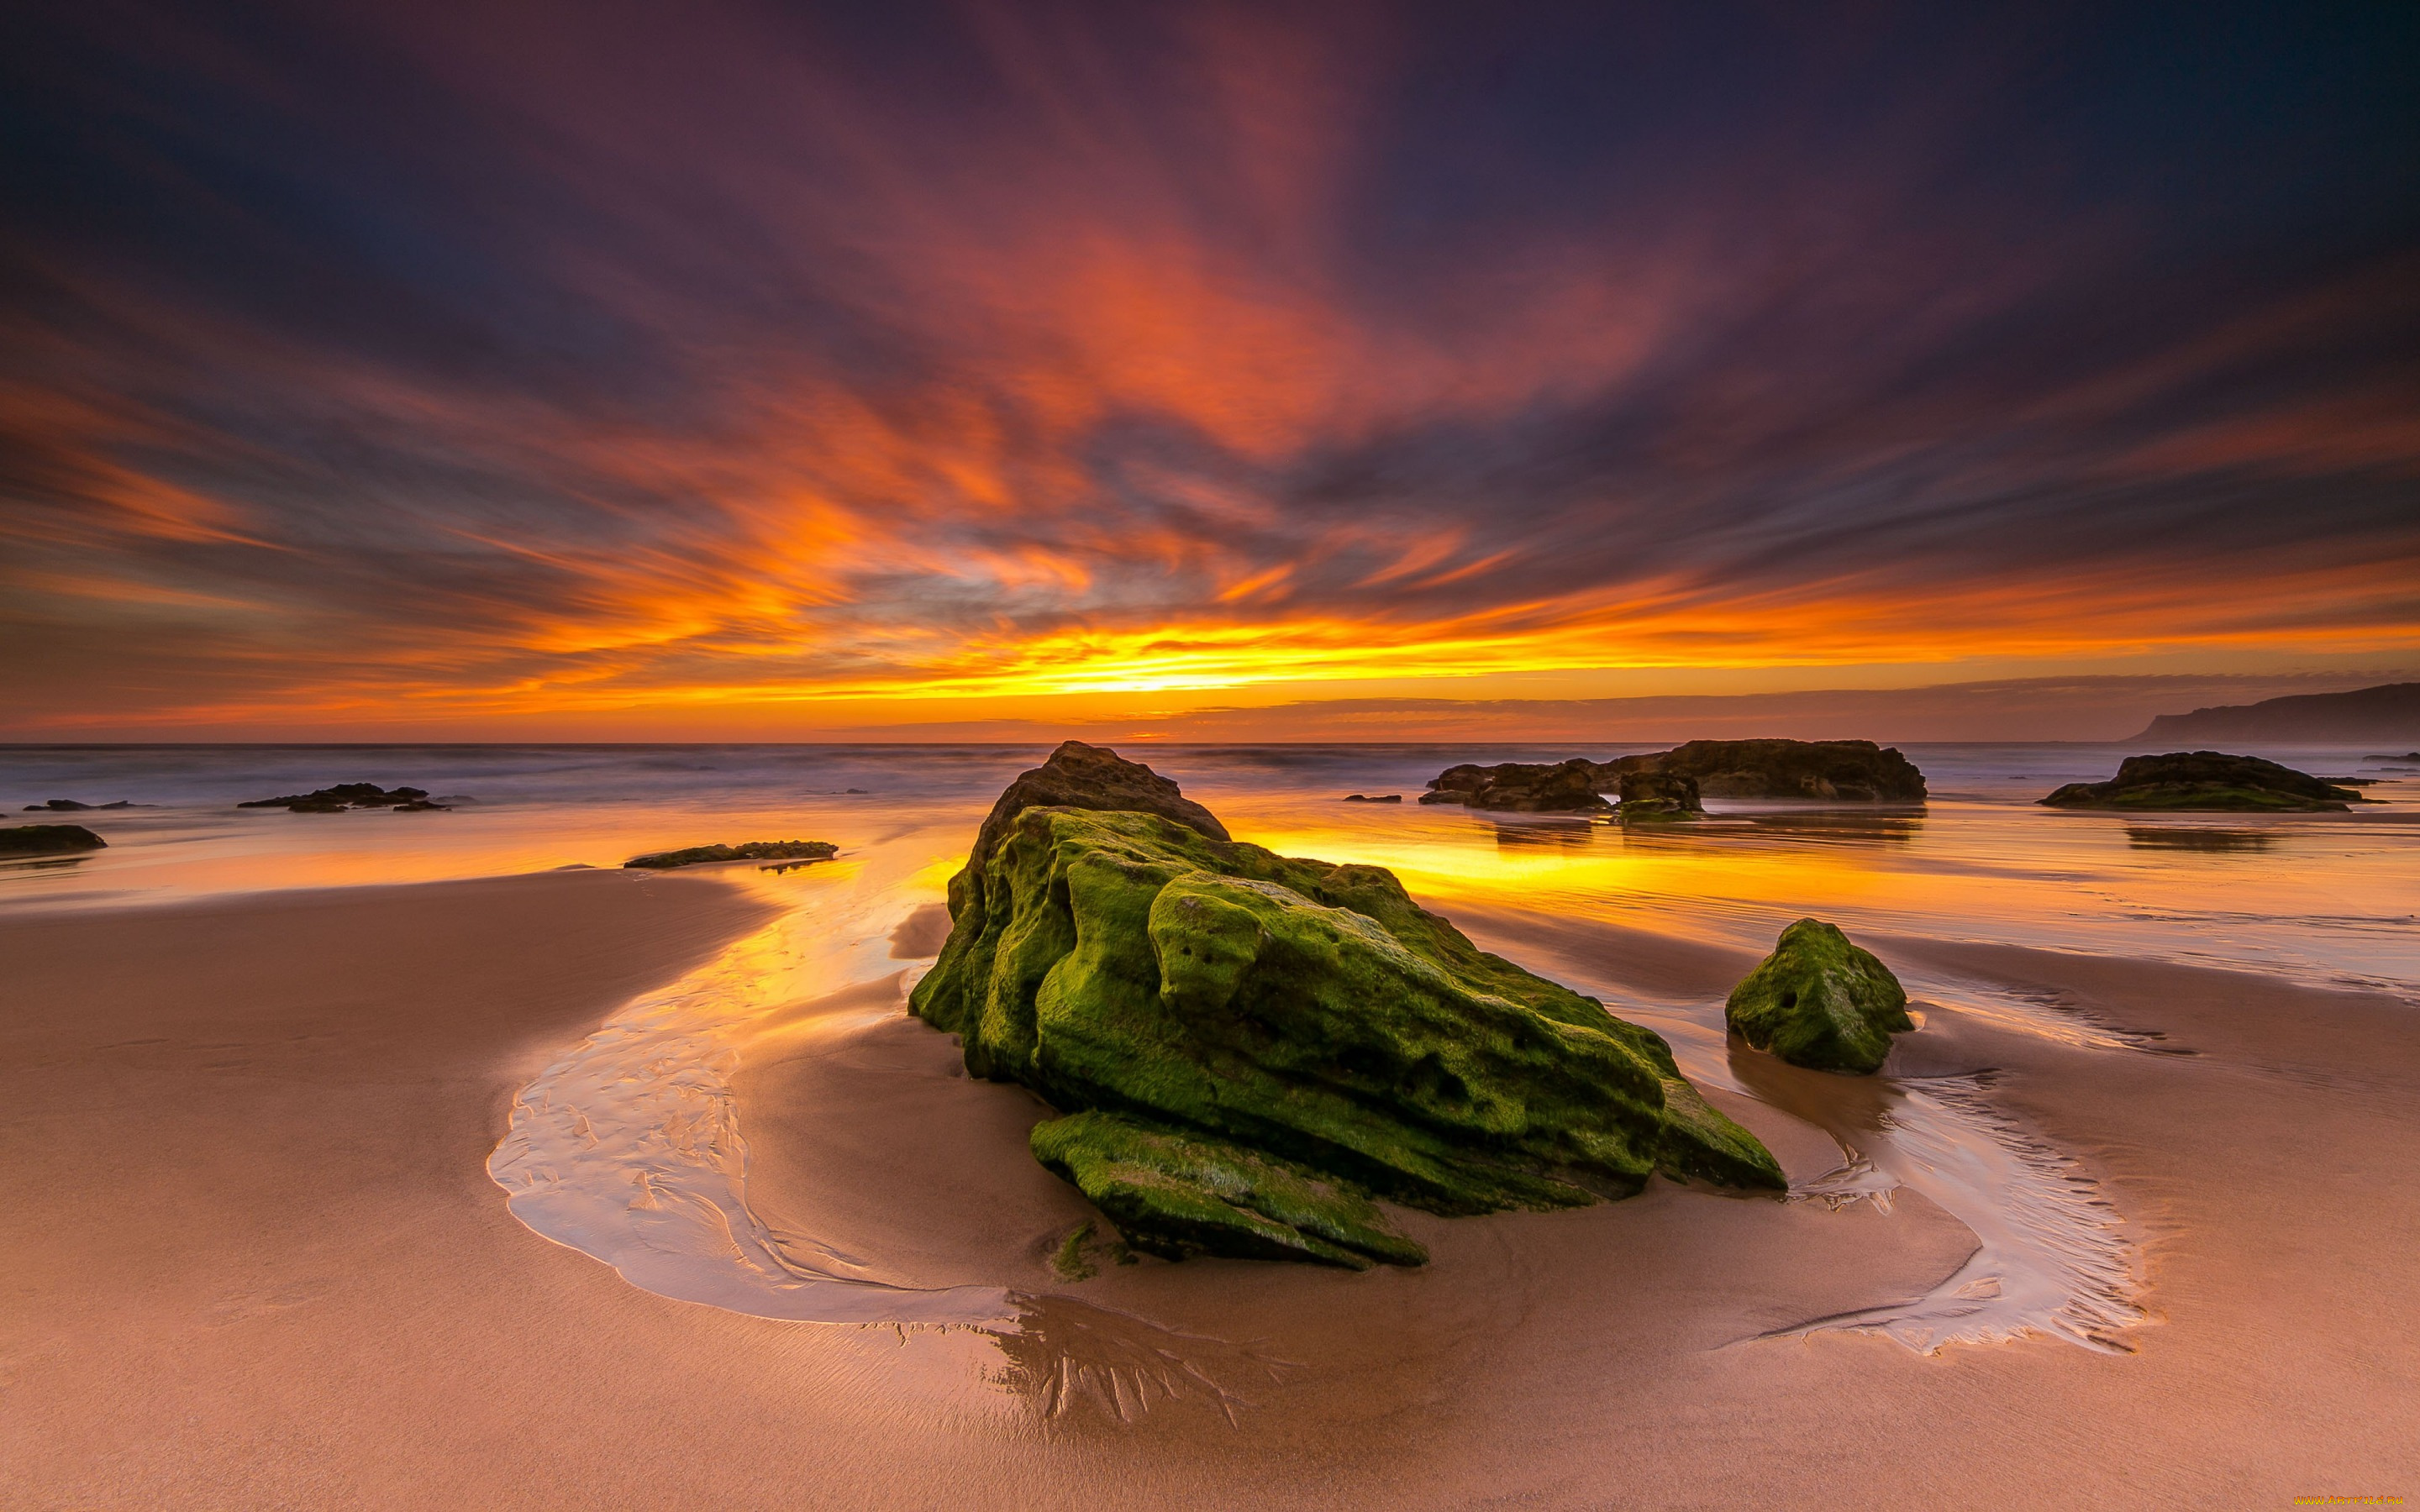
(255, 1259)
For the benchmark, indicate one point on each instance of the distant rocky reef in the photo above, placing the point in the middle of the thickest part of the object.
(2207, 780)
(1523, 787)
(1851, 771)
(754, 850)
(49, 840)
(1246, 1048)
(70, 806)
(347, 795)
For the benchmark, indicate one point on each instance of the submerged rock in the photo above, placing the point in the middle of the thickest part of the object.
(2207, 780)
(345, 796)
(1855, 771)
(1249, 1046)
(1660, 798)
(1820, 1001)
(48, 840)
(1373, 798)
(1523, 787)
(754, 850)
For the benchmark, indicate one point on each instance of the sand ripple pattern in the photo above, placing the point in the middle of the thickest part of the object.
(2051, 1255)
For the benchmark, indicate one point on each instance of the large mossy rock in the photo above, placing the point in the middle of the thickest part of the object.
(2207, 780)
(48, 840)
(1820, 1002)
(1247, 1043)
(1855, 771)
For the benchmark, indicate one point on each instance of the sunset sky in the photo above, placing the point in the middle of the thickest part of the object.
(756, 371)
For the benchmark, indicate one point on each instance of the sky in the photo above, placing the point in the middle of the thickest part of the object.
(601, 370)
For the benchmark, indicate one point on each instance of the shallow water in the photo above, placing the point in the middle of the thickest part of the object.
(630, 1146)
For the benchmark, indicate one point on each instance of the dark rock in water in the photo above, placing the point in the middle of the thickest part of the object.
(1856, 771)
(1077, 776)
(1660, 798)
(48, 840)
(754, 850)
(2407, 756)
(1839, 770)
(70, 806)
(1380, 798)
(1523, 787)
(347, 795)
(1247, 1047)
(1820, 1001)
(2207, 780)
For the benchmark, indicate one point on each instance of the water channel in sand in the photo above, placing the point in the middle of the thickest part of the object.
(629, 1147)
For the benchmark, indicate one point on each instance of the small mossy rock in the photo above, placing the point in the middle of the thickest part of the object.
(1305, 1013)
(1820, 1002)
(1174, 1194)
(2207, 781)
(48, 840)
(1660, 798)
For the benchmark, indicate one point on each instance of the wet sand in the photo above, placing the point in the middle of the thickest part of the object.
(254, 1258)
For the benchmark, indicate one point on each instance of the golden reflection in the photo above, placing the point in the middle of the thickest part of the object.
(2195, 838)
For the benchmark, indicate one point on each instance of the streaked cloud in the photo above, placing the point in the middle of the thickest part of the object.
(365, 364)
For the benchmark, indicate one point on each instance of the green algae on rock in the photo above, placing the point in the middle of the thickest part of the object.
(48, 840)
(1279, 1039)
(1660, 798)
(2207, 781)
(1174, 1196)
(1820, 1002)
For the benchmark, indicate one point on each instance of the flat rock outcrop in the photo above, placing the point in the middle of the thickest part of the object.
(1523, 787)
(1855, 771)
(71, 806)
(345, 796)
(1247, 1047)
(1820, 1002)
(2210, 781)
(754, 850)
(48, 840)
